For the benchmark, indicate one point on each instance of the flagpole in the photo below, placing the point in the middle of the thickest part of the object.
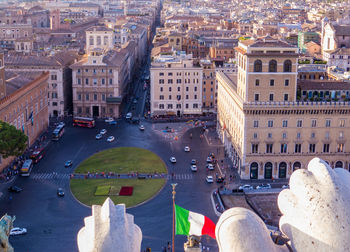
(173, 193)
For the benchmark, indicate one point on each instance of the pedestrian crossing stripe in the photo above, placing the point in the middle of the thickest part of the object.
(44, 176)
(183, 176)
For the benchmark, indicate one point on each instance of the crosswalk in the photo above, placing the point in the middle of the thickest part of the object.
(184, 176)
(44, 176)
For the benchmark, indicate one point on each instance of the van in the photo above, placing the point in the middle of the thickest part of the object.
(26, 168)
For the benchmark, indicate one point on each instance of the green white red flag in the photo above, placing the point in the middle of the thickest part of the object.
(190, 223)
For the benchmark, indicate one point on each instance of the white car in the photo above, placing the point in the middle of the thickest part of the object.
(128, 115)
(209, 160)
(110, 119)
(187, 149)
(98, 136)
(209, 179)
(142, 128)
(173, 160)
(18, 231)
(264, 186)
(103, 131)
(193, 167)
(285, 187)
(210, 166)
(110, 139)
(245, 187)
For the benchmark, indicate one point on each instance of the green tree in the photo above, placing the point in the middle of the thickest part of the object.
(13, 142)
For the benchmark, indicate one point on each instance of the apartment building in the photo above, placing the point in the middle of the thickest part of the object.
(25, 105)
(266, 130)
(176, 85)
(2, 77)
(209, 86)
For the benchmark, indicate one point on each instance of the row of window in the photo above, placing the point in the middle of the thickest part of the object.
(313, 135)
(271, 97)
(272, 82)
(101, 81)
(178, 106)
(178, 97)
(297, 148)
(179, 89)
(98, 40)
(179, 81)
(179, 74)
(94, 70)
(93, 97)
(287, 66)
(87, 110)
(299, 123)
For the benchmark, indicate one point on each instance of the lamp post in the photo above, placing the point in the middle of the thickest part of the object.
(173, 193)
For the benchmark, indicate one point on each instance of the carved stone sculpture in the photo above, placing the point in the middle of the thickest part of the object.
(316, 215)
(6, 225)
(109, 228)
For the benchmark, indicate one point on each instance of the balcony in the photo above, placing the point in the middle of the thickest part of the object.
(114, 100)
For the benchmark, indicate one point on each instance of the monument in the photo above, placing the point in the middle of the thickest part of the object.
(6, 225)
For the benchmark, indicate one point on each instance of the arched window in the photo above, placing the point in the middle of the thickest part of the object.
(268, 170)
(282, 171)
(273, 66)
(254, 170)
(0, 63)
(296, 166)
(287, 66)
(257, 66)
(339, 164)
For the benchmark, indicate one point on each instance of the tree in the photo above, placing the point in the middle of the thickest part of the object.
(13, 142)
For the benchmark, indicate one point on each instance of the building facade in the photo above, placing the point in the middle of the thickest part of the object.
(25, 105)
(2, 77)
(266, 131)
(176, 85)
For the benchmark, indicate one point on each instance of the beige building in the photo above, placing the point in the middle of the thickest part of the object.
(265, 130)
(209, 86)
(176, 85)
(2, 77)
(25, 105)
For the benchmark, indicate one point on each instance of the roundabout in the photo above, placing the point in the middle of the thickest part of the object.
(127, 175)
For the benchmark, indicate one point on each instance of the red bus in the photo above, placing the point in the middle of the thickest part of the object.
(84, 122)
(37, 155)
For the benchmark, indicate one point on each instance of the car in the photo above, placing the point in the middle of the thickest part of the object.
(264, 186)
(193, 161)
(98, 136)
(134, 101)
(128, 115)
(210, 166)
(113, 122)
(68, 163)
(109, 120)
(220, 179)
(245, 187)
(15, 189)
(173, 160)
(209, 160)
(285, 187)
(142, 128)
(135, 120)
(18, 231)
(60, 192)
(110, 139)
(194, 168)
(209, 179)
(212, 155)
(103, 131)
(62, 124)
(187, 149)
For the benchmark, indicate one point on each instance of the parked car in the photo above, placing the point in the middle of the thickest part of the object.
(209, 160)
(113, 122)
(285, 187)
(109, 120)
(194, 168)
(264, 186)
(173, 160)
(245, 187)
(62, 124)
(142, 128)
(18, 231)
(187, 149)
(220, 179)
(110, 139)
(103, 131)
(210, 166)
(98, 136)
(128, 115)
(209, 179)
(193, 161)
(15, 189)
(68, 163)
(60, 192)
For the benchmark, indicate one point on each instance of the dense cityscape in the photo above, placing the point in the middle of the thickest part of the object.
(214, 105)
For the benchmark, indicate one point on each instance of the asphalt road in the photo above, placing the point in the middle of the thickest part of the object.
(53, 222)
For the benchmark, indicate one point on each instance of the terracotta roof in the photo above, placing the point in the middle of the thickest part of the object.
(21, 60)
(99, 28)
(342, 30)
(323, 85)
(16, 80)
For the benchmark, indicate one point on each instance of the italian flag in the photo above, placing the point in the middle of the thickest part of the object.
(190, 223)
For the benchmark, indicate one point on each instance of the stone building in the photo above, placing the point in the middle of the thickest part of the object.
(25, 105)
(176, 85)
(266, 131)
(2, 77)
(209, 86)
(16, 37)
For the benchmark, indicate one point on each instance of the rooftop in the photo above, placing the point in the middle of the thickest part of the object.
(18, 79)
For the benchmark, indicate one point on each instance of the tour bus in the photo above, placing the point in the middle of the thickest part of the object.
(37, 155)
(57, 133)
(26, 168)
(84, 122)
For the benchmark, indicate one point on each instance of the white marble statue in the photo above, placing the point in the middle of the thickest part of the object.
(316, 215)
(109, 228)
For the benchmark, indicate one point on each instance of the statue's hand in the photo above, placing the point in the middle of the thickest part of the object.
(316, 208)
(241, 230)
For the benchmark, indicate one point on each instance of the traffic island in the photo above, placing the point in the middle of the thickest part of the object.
(115, 173)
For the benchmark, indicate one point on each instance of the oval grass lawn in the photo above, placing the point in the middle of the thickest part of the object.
(123, 160)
